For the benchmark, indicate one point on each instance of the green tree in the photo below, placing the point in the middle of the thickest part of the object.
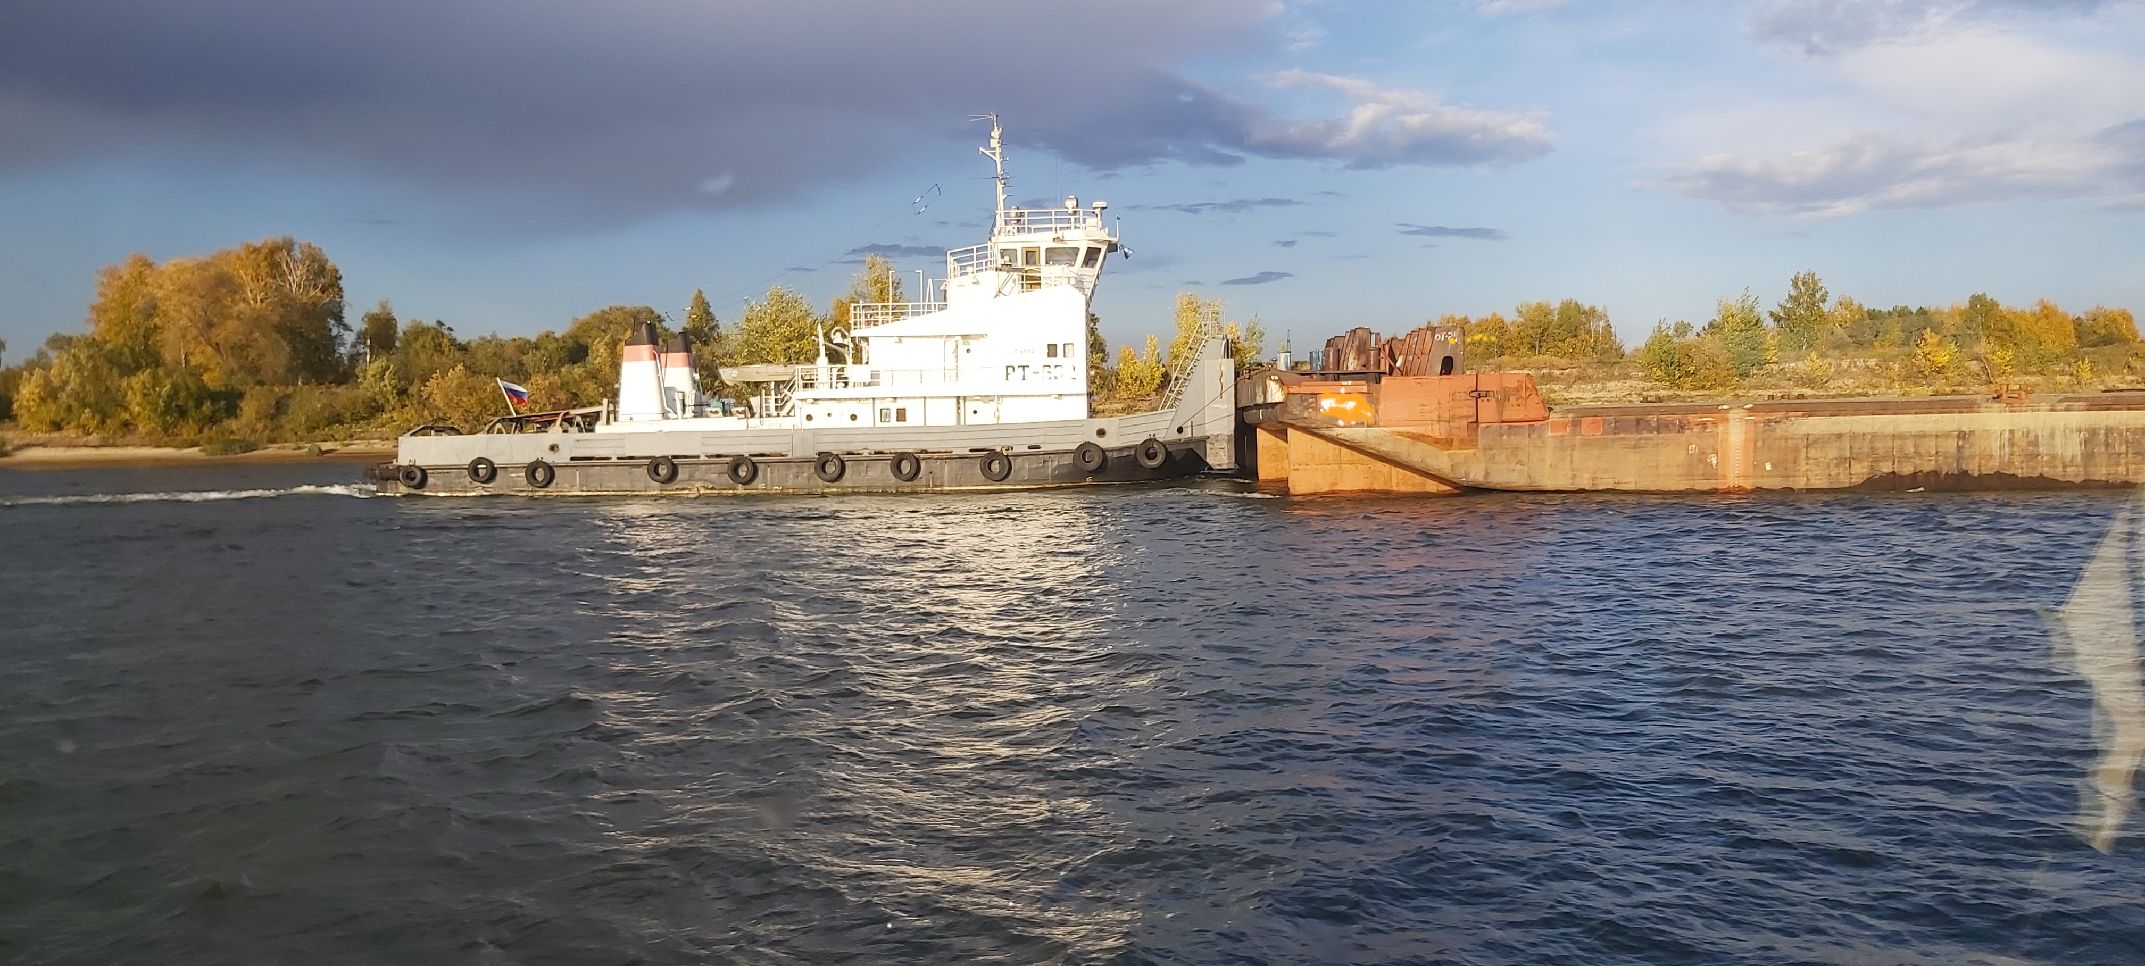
(1489, 337)
(82, 391)
(874, 281)
(780, 328)
(462, 398)
(2036, 336)
(1658, 355)
(1680, 358)
(174, 403)
(1139, 377)
(1194, 318)
(705, 331)
(124, 315)
(425, 349)
(1533, 329)
(1098, 358)
(1977, 318)
(2102, 326)
(377, 330)
(1742, 333)
(1568, 330)
(1935, 357)
(1247, 343)
(1801, 319)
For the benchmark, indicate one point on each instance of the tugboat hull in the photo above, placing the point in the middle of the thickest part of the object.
(853, 474)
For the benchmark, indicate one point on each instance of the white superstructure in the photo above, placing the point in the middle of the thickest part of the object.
(1001, 338)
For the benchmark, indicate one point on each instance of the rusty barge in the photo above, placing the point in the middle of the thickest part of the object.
(1406, 417)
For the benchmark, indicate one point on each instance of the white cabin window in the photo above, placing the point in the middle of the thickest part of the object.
(886, 414)
(1094, 257)
(1061, 256)
(1068, 353)
(1009, 256)
(1031, 257)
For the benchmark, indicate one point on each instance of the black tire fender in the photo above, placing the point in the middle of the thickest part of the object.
(996, 467)
(1152, 453)
(742, 470)
(663, 469)
(906, 467)
(412, 476)
(829, 467)
(483, 470)
(539, 474)
(1092, 458)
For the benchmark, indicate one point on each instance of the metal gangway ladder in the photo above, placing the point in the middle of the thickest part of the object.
(1180, 370)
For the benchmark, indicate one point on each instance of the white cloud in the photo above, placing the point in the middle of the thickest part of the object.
(1925, 103)
(1879, 172)
(1820, 27)
(1503, 8)
(1987, 78)
(1393, 126)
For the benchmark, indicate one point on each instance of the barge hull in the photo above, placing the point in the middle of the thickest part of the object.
(1423, 435)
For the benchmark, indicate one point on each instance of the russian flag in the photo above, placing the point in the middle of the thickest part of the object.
(514, 393)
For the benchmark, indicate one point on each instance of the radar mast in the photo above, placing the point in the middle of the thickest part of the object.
(996, 152)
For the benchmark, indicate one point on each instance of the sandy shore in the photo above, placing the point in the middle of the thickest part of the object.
(42, 455)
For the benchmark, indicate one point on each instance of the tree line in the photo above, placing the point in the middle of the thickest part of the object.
(1810, 340)
(1808, 332)
(251, 344)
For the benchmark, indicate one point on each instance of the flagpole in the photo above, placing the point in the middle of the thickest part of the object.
(510, 407)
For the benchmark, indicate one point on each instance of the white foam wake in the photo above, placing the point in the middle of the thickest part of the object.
(358, 490)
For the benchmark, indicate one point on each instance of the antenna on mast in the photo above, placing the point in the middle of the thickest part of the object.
(995, 152)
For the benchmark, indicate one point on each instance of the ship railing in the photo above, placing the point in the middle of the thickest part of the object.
(870, 377)
(969, 261)
(1054, 220)
(879, 313)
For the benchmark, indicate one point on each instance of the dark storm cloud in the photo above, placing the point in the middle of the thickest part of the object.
(1822, 27)
(1259, 279)
(1440, 231)
(568, 109)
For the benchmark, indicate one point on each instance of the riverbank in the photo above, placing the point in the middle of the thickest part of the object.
(45, 453)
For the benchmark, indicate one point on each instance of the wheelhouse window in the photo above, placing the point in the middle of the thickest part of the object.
(1094, 257)
(1058, 255)
(1031, 257)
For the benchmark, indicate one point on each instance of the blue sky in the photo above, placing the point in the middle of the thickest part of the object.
(506, 165)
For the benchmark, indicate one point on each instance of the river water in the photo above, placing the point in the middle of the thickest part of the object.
(252, 716)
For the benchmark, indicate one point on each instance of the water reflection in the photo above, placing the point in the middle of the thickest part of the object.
(2096, 636)
(902, 673)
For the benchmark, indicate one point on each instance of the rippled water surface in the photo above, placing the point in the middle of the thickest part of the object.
(1180, 724)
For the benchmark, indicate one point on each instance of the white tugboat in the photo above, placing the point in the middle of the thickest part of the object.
(982, 385)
